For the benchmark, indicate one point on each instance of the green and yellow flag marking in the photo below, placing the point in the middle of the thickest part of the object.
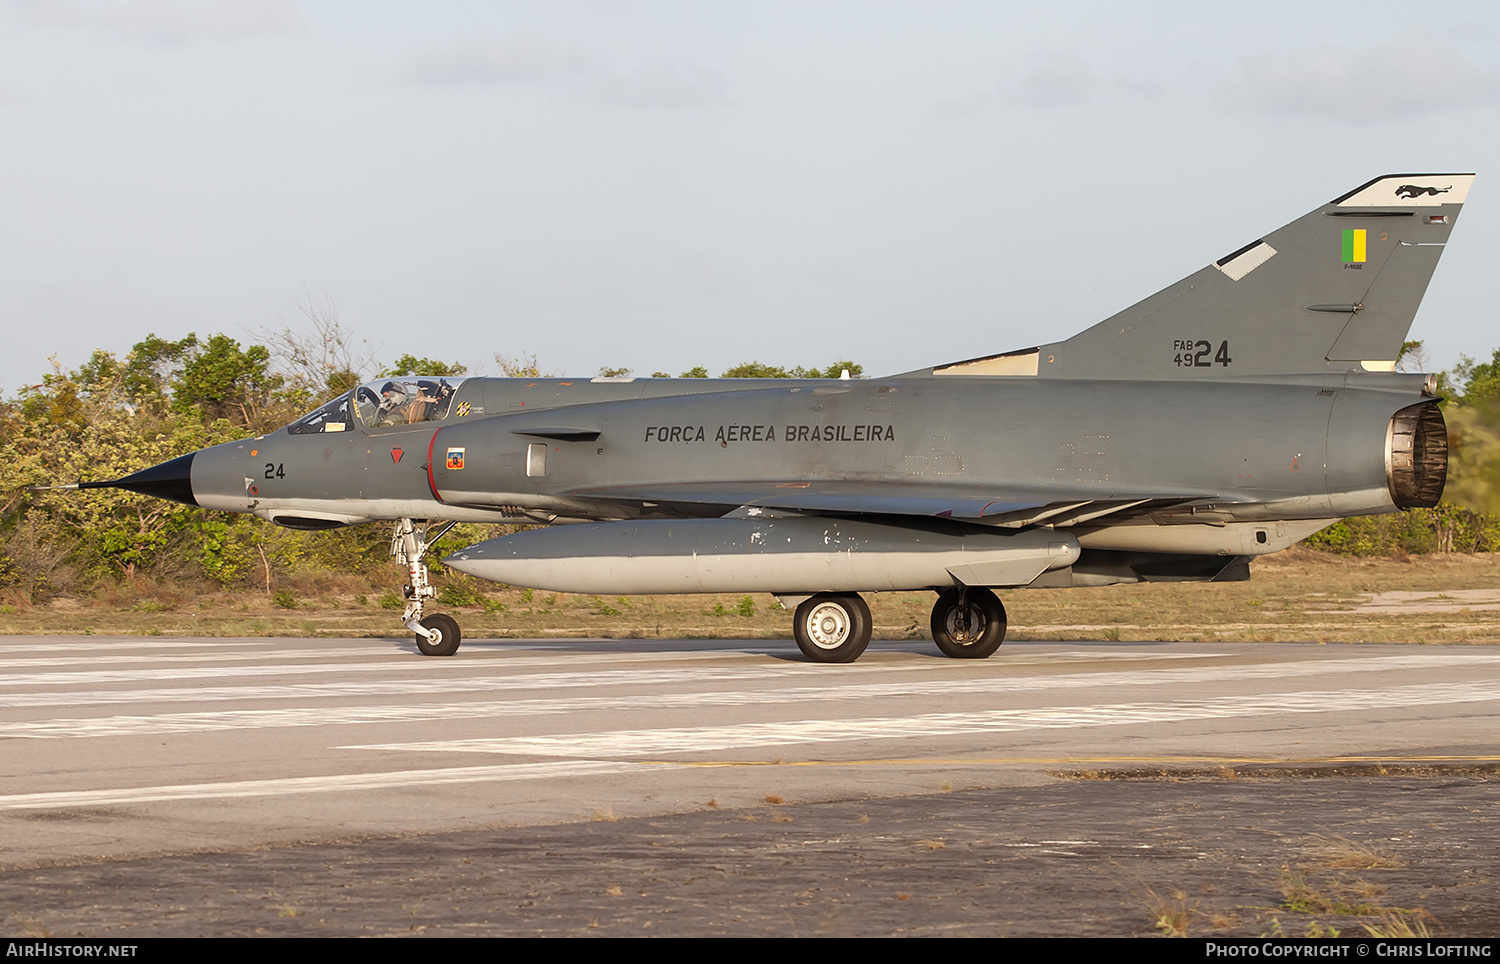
(1354, 246)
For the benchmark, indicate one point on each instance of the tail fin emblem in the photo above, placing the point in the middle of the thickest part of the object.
(1416, 190)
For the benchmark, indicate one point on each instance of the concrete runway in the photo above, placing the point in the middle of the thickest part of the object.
(122, 748)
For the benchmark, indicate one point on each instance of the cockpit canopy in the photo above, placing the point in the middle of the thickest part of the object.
(398, 400)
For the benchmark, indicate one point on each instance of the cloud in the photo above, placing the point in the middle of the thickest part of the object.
(1058, 79)
(525, 58)
(666, 84)
(517, 58)
(170, 21)
(1413, 74)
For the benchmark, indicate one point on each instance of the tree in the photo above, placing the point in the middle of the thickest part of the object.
(755, 369)
(409, 364)
(837, 369)
(524, 366)
(224, 381)
(319, 362)
(153, 367)
(1479, 381)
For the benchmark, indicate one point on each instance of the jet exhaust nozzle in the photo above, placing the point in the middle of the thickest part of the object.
(170, 480)
(1417, 460)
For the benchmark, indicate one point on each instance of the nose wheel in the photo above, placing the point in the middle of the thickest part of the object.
(437, 634)
(968, 623)
(443, 636)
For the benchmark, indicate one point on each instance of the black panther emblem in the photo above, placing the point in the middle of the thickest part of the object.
(1415, 191)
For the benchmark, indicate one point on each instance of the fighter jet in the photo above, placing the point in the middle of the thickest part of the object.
(1229, 415)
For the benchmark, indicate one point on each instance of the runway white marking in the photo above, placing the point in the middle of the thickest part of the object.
(485, 684)
(460, 683)
(519, 664)
(136, 725)
(113, 643)
(401, 665)
(323, 784)
(635, 743)
(94, 659)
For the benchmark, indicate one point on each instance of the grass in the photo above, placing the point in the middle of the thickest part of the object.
(1173, 914)
(1340, 853)
(1326, 892)
(1305, 896)
(1399, 923)
(1319, 887)
(1300, 596)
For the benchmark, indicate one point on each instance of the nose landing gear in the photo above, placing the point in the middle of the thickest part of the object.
(438, 634)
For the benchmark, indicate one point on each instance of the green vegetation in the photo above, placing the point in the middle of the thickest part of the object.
(461, 593)
(755, 369)
(1446, 528)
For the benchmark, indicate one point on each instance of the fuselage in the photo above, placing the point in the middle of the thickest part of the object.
(542, 450)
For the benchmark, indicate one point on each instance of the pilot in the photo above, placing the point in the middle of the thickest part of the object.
(392, 397)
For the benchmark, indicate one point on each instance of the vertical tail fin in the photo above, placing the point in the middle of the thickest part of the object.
(1335, 290)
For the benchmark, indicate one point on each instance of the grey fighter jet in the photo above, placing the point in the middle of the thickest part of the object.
(1229, 415)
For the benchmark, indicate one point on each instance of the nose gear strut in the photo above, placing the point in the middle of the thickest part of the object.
(438, 634)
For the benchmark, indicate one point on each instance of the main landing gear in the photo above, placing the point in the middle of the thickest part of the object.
(832, 627)
(967, 623)
(438, 634)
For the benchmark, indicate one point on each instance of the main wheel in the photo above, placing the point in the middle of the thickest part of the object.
(832, 628)
(445, 636)
(968, 623)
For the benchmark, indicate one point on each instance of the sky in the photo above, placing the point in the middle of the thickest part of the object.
(657, 186)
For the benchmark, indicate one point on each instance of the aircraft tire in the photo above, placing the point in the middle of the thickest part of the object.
(445, 643)
(986, 624)
(832, 628)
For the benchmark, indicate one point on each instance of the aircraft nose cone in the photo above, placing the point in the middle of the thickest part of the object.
(169, 480)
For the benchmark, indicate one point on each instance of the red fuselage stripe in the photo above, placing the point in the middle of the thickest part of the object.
(431, 480)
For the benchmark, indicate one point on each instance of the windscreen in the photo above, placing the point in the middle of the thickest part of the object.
(332, 417)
